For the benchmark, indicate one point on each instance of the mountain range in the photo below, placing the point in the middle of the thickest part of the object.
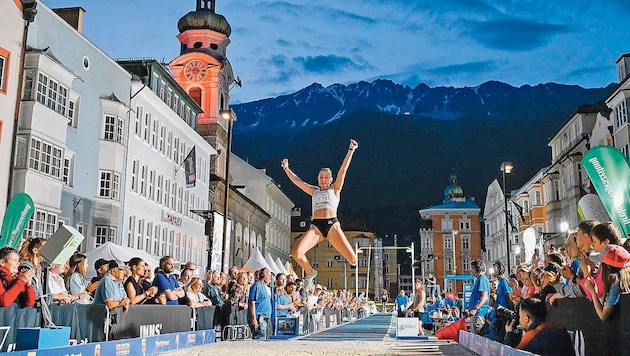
(410, 141)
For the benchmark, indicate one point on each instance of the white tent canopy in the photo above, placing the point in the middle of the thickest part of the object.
(256, 261)
(290, 270)
(275, 269)
(111, 251)
(281, 265)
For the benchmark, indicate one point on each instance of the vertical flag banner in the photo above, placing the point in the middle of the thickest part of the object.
(190, 168)
(19, 212)
(609, 172)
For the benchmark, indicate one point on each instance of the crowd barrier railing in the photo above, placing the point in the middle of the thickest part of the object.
(96, 323)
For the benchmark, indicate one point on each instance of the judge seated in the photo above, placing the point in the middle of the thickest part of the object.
(16, 284)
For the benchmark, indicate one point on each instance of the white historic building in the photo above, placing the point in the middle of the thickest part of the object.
(159, 199)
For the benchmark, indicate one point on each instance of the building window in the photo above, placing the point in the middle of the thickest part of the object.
(465, 265)
(73, 113)
(45, 158)
(329, 263)
(621, 114)
(161, 139)
(167, 191)
(42, 224)
(154, 133)
(448, 265)
(4, 72)
(158, 189)
(135, 166)
(151, 184)
(131, 229)
(329, 283)
(68, 171)
(146, 127)
(105, 234)
(139, 234)
(386, 269)
(113, 128)
(52, 94)
(464, 225)
(109, 185)
(143, 180)
(386, 256)
(176, 150)
(448, 239)
(137, 124)
(465, 242)
(169, 138)
(447, 225)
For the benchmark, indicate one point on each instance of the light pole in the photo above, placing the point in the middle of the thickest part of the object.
(506, 168)
(231, 117)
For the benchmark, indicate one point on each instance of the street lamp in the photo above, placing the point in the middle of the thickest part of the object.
(506, 168)
(231, 117)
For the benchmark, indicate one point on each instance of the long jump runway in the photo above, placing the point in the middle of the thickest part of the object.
(381, 328)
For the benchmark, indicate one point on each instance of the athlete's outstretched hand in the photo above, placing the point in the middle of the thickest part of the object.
(285, 163)
(353, 145)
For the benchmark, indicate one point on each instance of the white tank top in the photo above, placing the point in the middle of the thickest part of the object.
(325, 199)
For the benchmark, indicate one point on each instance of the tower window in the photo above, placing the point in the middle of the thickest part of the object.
(214, 46)
(197, 45)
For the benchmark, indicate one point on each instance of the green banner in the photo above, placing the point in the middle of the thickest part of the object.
(16, 218)
(609, 172)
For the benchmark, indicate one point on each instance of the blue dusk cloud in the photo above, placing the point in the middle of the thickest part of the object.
(513, 34)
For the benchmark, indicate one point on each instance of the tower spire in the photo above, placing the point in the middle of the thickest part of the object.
(205, 5)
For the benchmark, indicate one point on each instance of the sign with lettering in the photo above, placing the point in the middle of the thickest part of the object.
(171, 219)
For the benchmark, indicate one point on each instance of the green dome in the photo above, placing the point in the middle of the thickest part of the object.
(453, 192)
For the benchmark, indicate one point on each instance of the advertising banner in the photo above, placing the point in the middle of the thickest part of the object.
(19, 212)
(609, 172)
(590, 207)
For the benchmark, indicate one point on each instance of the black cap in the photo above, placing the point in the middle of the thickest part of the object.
(100, 263)
(117, 264)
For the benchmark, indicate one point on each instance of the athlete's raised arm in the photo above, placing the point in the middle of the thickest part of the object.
(341, 175)
(307, 188)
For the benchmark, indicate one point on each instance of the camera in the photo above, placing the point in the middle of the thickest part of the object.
(506, 313)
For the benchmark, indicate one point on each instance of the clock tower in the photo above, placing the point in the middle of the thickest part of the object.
(203, 70)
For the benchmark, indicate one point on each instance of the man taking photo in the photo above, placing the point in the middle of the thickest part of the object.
(539, 336)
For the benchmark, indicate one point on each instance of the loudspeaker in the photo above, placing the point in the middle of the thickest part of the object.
(60, 246)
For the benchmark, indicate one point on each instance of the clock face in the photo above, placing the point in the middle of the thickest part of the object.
(195, 70)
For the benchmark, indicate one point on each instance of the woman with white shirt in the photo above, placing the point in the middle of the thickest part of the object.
(197, 299)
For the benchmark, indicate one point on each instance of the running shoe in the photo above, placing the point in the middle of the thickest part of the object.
(309, 279)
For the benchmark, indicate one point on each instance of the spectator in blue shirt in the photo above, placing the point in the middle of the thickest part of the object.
(260, 305)
(110, 290)
(503, 298)
(167, 283)
(478, 306)
(401, 303)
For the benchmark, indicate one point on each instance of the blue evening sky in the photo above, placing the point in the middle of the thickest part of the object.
(279, 47)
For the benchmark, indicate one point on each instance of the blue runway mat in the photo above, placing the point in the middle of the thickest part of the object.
(374, 327)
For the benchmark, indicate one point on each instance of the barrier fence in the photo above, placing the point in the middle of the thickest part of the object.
(91, 323)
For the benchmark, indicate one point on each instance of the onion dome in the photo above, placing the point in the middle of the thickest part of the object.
(204, 19)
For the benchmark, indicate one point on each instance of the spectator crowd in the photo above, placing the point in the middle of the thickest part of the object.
(29, 281)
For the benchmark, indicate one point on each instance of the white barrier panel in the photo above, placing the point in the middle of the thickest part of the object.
(406, 327)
